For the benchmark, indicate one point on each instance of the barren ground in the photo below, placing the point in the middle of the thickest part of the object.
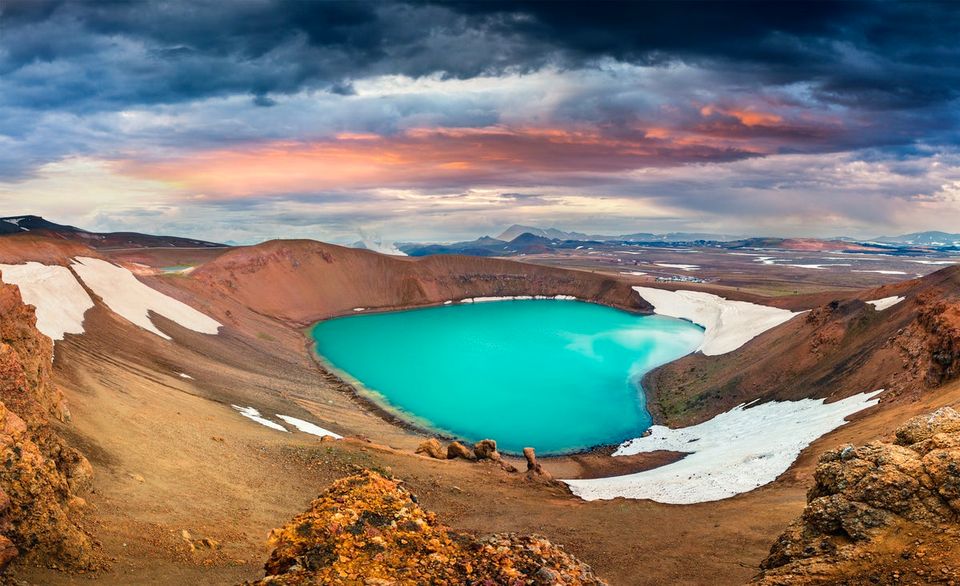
(170, 454)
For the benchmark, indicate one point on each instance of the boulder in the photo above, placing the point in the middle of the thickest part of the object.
(918, 429)
(458, 450)
(486, 450)
(433, 449)
(865, 498)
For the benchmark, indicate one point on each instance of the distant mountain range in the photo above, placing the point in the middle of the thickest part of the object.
(554, 234)
(519, 239)
(14, 225)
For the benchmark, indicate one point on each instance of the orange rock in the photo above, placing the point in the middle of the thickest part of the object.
(368, 529)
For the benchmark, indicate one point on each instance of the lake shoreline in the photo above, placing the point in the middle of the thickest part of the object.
(610, 338)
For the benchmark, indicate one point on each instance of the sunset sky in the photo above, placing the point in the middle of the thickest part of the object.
(254, 119)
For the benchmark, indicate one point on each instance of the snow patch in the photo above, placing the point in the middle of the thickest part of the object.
(817, 267)
(184, 375)
(131, 299)
(678, 266)
(514, 298)
(254, 415)
(727, 324)
(60, 300)
(882, 272)
(884, 303)
(735, 452)
(307, 427)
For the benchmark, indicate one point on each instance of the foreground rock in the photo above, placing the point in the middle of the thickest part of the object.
(880, 513)
(367, 529)
(41, 475)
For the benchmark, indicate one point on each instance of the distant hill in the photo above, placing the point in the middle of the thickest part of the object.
(931, 238)
(12, 225)
(516, 230)
(525, 243)
(807, 244)
(484, 246)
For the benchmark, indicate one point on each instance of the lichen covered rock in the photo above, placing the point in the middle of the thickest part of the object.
(871, 504)
(368, 529)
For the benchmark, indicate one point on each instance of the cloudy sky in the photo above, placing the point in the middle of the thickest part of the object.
(420, 120)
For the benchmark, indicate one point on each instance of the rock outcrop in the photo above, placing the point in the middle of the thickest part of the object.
(368, 529)
(880, 513)
(40, 475)
(932, 342)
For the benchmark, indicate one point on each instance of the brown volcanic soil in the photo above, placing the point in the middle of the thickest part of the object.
(170, 454)
(301, 282)
(20, 248)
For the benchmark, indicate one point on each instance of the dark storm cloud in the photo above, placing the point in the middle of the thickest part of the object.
(875, 54)
(863, 54)
(93, 55)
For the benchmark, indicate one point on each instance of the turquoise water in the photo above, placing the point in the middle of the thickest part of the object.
(559, 376)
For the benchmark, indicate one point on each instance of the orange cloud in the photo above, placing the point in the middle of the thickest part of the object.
(429, 157)
(752, 118)
(746, 116)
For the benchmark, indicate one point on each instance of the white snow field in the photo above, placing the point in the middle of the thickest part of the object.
(881, 304)
(727, 324)
(128, 297)
(735, 452)
(307, 427)
(254, 415)
(60, 300)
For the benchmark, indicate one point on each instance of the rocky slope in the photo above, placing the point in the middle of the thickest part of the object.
(882, 513)
(41, 475)
(368, 529)
(303, 281)
(839, 348)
